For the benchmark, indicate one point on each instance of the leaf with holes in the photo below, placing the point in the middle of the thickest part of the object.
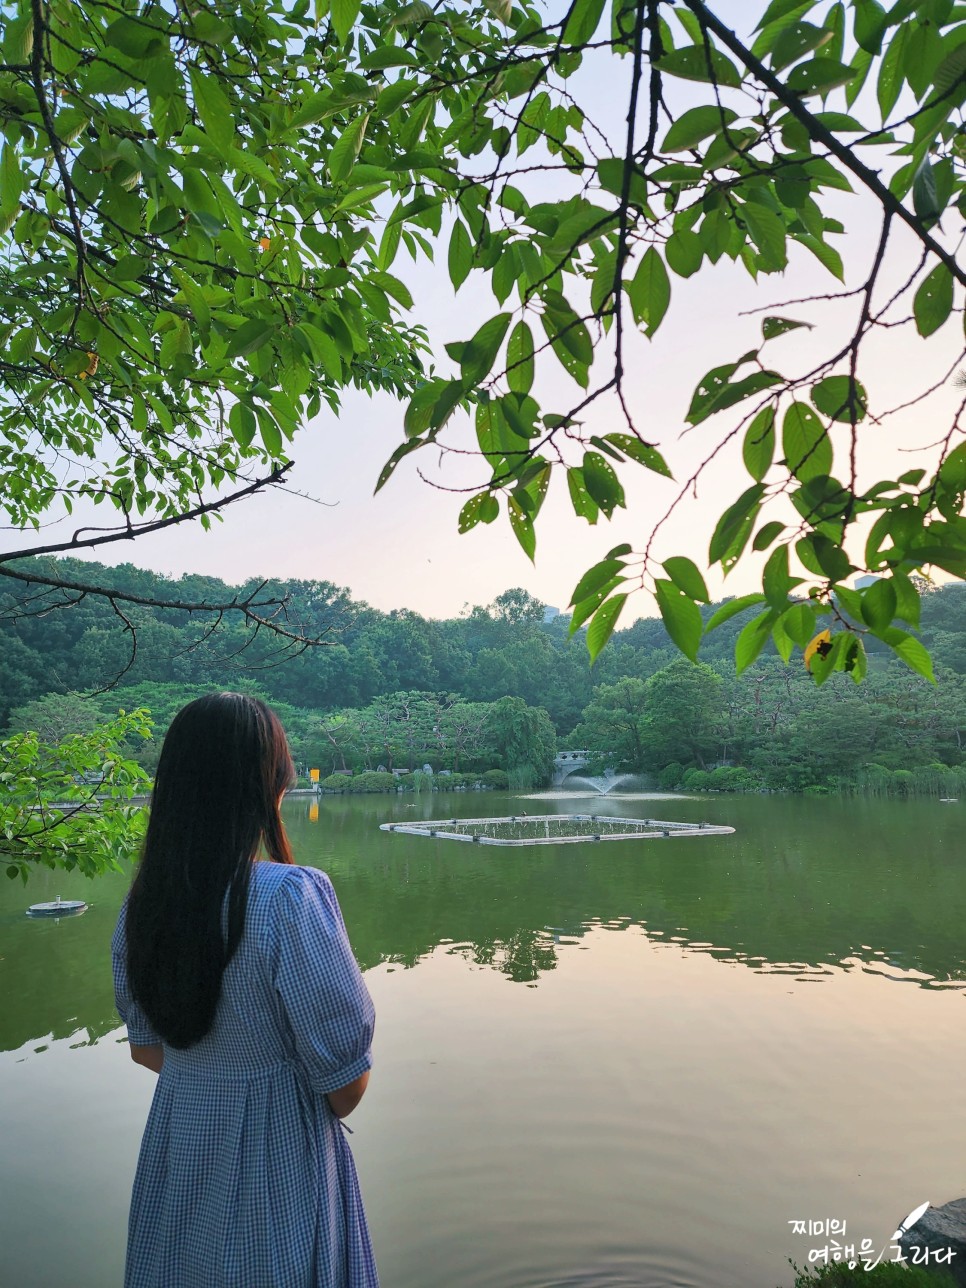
(685, 575)
(841, 398)
(806, 442)
(649, 292)
(522, 526)
(933, 302)
(602, 483)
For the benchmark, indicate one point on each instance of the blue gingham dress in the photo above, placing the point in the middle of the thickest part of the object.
(245, 1179)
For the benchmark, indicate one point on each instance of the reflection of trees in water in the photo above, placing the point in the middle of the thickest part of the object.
(803, 885)
(523, 956)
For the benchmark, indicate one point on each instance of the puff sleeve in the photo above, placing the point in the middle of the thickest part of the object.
(326, 1004)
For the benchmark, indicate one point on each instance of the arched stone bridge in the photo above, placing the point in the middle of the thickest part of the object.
(566, 763)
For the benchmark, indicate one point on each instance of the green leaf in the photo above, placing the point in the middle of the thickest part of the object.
(767, 534)
(734, 527)
(869, 24)
(583, 503)
(390, 466)
(911, 651)
(249, 337)
(344, 14)
(482, 508)
(826, 255)
(595, 577)
(776, 582)
(841, 398)
(732, 608)
(692, 63)
(799, 622)
(685, 251)
(345, 151)
(643, 453)
(758, 449)
(878, 606)
(242, 423)
(771, 327)
(602, 483)
(819, 76)
(925, 193)
(500, 9)
(783, 641)
(271, 434)
(519, 359)
(753, 638)
(214, 110)
(687, 578)
(681, 616)
(908, 603)
(582, 22)
(601, 628)
(767, 231)
(460, 259)
(11, 185)
(933, 302)
(796, 40)
(568, 336)
(522, 526)
(824, 557)
(694, 125)
(478, 355)
(805, 442)
(892, 71)
(649, 291)
(717, 392)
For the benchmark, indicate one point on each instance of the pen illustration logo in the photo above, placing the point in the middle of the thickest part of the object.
(906, 1225)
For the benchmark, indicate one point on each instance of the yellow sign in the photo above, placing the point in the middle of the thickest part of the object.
(314, 775)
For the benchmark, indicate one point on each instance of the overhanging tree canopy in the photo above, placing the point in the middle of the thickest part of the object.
(201, 209)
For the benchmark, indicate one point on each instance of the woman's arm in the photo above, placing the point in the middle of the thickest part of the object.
(150, 1057)
(344, 1100)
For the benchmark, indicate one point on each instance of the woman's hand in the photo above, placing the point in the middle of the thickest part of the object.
(343, 1101)
(150, 1057)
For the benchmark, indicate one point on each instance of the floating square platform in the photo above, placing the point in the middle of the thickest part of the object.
(553, 829)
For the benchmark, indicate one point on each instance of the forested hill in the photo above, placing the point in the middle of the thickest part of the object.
(641, 706)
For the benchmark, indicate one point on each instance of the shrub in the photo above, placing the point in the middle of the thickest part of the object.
(497, 779)
(696, 780)
(336, 783)
(888, 1274)
(735, 778)
(670, 776)
(371, 781)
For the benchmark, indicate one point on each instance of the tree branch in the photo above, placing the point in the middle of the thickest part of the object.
(823, 135)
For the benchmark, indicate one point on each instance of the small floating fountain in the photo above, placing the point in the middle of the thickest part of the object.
(553, 829)
(58, 908)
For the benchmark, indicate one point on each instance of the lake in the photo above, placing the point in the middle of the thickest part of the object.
(635, 1063)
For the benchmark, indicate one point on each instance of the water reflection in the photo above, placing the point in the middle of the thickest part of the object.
(804, 888)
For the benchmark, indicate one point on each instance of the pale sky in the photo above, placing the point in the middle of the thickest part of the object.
(402, 550)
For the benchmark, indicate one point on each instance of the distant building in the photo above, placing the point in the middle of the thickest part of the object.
(549, 614)
(861, 583)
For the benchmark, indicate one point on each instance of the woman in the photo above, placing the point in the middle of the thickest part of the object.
(237, 984)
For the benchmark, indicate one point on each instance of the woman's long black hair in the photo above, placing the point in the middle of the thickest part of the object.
(223, 768)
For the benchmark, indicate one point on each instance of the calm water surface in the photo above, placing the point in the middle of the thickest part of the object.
(626, 1064)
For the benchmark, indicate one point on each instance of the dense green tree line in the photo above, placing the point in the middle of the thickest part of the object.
(497, 686)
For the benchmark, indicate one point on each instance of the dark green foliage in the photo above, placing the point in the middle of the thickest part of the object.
(888, 1274)
(498, 689)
